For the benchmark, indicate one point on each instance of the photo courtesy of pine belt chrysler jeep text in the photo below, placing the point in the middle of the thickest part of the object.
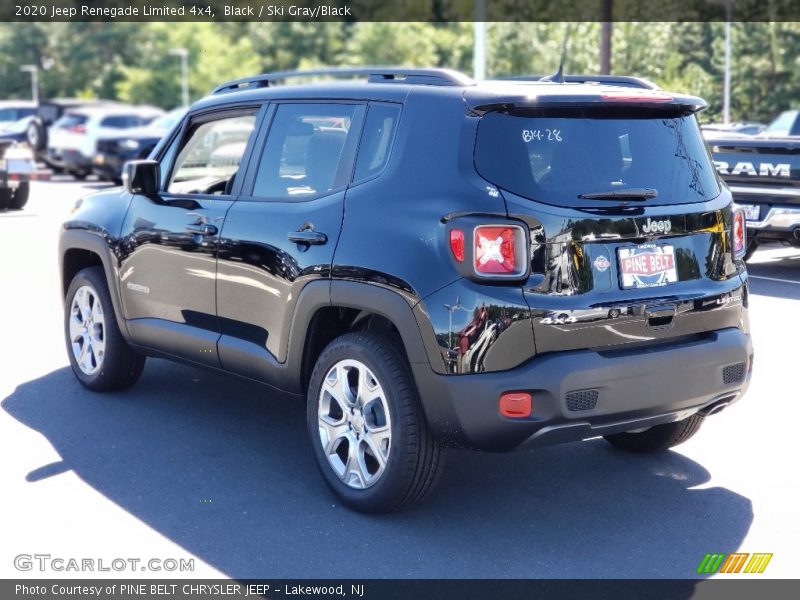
(428, 261)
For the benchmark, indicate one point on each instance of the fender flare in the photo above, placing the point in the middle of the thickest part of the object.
(81, 239)
(416, 337)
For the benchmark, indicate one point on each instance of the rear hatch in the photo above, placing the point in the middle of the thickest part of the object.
(630, 227)
(68, 132)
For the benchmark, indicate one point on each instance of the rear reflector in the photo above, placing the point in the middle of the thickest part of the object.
(516, 405)
(457, 244)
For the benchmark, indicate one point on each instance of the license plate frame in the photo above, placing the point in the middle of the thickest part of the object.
(646, 266)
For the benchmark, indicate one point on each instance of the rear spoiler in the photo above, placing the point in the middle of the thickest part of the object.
(617, 80)
(554, 95)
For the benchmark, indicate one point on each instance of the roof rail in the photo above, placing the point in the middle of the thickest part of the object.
(620, 80)
(412, 75)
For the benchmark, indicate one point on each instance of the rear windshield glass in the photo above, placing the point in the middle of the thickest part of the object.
(71, 120)
(553, 157)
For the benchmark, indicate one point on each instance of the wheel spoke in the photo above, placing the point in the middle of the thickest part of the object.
(97, 311)
(377, 442)
(82, 298)
(330, 434)
(368, 388)
(83, 359)
(355, 469)
(334, 384)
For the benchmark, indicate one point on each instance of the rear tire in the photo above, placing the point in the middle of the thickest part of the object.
(368, 431)
(21, 195)
(658, 438)
(6, 197)
(36, 135)
(100, 357)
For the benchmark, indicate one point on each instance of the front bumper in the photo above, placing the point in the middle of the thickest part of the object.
(635, 388)
(68, 159)
(108, 166)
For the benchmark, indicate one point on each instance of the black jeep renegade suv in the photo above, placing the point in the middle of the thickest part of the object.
(429, 261)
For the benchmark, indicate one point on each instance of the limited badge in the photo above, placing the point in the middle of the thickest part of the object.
(601, 263)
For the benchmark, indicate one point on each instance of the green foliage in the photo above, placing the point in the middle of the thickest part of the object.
(132, 62)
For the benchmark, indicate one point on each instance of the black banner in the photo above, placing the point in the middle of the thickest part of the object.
(401, 589)
(402, 10)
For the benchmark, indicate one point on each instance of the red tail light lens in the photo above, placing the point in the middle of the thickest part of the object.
(499, 250)
(77, 129)
(739, 234)
(457, 244)
(516, 405)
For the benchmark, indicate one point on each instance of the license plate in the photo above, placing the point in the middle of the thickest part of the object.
(752, 212)
(648, 265)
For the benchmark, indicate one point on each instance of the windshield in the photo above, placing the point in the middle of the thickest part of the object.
(782, 125)
(168, 120)
(557, 156)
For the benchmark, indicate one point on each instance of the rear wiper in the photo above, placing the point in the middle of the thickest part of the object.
(627, 194)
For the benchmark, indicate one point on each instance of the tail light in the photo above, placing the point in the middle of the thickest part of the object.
(495, 252)
(739, 233)
(499, 250)
(77, 128)
(457, 244)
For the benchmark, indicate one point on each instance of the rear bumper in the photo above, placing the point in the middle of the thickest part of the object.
(633, 388)
(780, 222)
(779, 209)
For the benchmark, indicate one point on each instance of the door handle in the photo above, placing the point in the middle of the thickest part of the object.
(308, 237)
(202, 229)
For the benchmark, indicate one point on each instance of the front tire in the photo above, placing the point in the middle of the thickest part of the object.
(659, 438)
(100, 357)
(368, 431)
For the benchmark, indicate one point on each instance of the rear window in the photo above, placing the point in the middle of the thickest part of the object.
(554, 156)
(71, 120)
(123, 121)
(14, 114)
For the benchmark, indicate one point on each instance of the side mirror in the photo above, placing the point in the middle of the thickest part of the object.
(142, 177)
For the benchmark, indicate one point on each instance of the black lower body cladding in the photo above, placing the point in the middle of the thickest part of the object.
(584, 393)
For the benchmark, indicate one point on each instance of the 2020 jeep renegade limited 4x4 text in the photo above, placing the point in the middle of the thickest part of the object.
(428, 261)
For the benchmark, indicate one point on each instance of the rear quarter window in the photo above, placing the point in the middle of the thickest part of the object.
(376, 140)
(555, 156)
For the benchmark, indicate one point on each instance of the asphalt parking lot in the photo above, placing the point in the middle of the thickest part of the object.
(192, 464)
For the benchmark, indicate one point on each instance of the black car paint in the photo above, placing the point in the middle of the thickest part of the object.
(383, 258)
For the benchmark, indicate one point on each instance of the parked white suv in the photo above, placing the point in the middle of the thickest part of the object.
(72, 139)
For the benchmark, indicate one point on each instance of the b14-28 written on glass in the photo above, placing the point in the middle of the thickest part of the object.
(541, 135)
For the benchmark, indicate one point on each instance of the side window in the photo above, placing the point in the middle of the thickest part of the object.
(376, 141)
(303, 151)
(209, 158)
